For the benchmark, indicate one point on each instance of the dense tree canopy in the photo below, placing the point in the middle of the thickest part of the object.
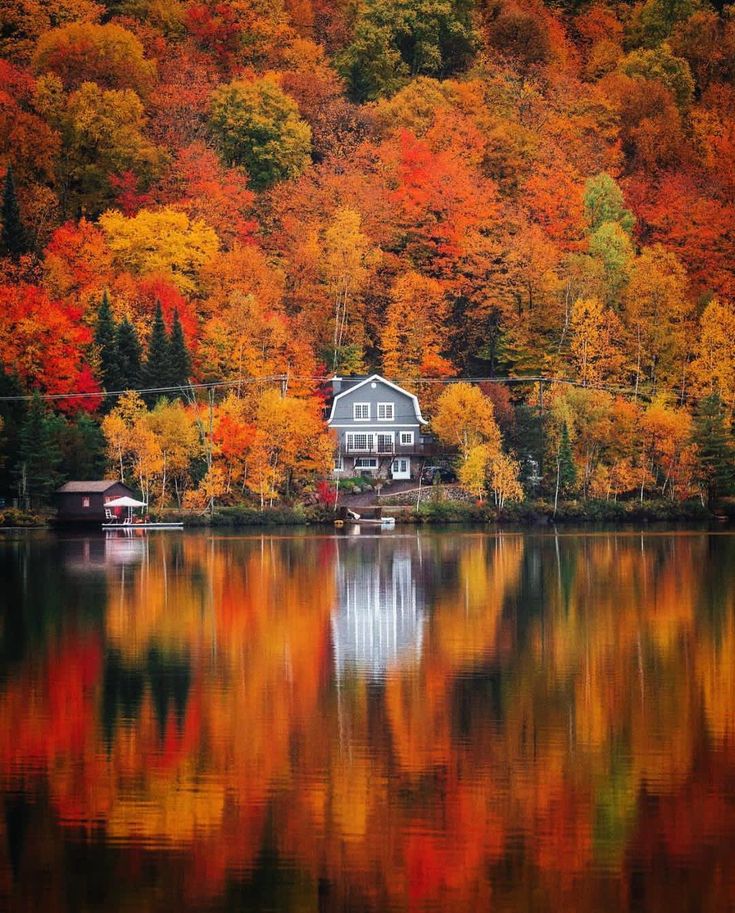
(258, 127)
(436, 189)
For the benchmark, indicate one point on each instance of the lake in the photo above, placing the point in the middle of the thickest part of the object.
(406, 721)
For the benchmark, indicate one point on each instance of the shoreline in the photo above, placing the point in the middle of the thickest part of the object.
(440, 513)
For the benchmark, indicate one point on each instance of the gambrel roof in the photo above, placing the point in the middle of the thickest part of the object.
(377, 378)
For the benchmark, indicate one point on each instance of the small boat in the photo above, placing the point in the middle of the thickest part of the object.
(382, 522)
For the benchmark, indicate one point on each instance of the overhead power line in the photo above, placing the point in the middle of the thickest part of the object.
(319, 378)
(101, 394)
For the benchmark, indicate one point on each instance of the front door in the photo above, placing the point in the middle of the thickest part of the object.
(401, 468)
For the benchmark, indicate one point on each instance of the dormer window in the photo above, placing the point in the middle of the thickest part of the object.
(361, 412)
(385, 412)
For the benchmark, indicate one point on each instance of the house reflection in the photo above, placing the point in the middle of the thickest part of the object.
(90, 554)
(378, 624)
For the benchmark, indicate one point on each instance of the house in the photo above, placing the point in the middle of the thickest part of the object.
(84, 502)
(379, 427)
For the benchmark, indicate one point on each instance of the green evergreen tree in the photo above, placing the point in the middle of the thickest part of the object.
(178, 355)
(566, 471)
(157, 369)
(38, 454)
(715, 452)
(82, 448)
(129, 355)
(105, 339)
(14, 239)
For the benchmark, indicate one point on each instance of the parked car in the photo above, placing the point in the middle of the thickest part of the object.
(441, 473)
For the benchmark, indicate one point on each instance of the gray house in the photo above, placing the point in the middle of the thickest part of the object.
(379, 428)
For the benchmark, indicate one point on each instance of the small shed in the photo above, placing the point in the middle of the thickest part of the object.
(84, 502)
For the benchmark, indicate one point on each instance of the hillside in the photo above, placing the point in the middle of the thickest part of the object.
(257, 193)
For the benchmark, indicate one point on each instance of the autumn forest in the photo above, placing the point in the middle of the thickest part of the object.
(221, 204)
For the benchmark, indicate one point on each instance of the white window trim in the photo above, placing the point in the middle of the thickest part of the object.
(355, 416)
(339, 463)
(406, 443)
(350, 442)
(370, 462)
(387, 418)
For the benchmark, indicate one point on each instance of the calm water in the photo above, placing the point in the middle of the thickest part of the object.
(433, 721)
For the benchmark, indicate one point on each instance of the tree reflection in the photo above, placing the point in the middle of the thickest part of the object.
(427, 721)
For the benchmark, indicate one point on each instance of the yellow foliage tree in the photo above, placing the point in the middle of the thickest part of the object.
(415, 328)
(163, 242)
(472, 473)
(348, 257)
(117, 428)
(179, 442)
(290, 444)
(657, 312)
(504, 471)
(243, 339)
(488, 467)
(714, 365)
(465, 418)
(667, 452)
(596, 331)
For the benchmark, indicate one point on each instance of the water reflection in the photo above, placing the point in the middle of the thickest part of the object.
(379, 619)
(445, 722)
(91, 554)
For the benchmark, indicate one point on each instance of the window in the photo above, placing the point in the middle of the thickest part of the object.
(85, 502)
(361, 412)
(338, 463)
(359, 441)
(366, 463)
(385, 412)
(384, 443)
(406, 438)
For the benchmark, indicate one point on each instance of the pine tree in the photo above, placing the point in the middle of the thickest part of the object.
(38, 454)
(715, 452)
(157, 369)
(178, 355)
(105, 338)
(82, 447)
(129, 356)
(14, 240)
(566, 472)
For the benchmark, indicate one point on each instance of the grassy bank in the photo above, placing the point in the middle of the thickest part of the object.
(535, 513)
(298, 515)
(532, 513)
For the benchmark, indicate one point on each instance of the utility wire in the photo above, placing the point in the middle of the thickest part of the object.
(319, 378)
(101, 394)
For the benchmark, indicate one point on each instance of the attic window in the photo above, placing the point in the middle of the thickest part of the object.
(385, 412)
(361, 412)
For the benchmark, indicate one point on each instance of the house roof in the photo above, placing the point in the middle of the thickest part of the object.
(377, 377)
(86, 487)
